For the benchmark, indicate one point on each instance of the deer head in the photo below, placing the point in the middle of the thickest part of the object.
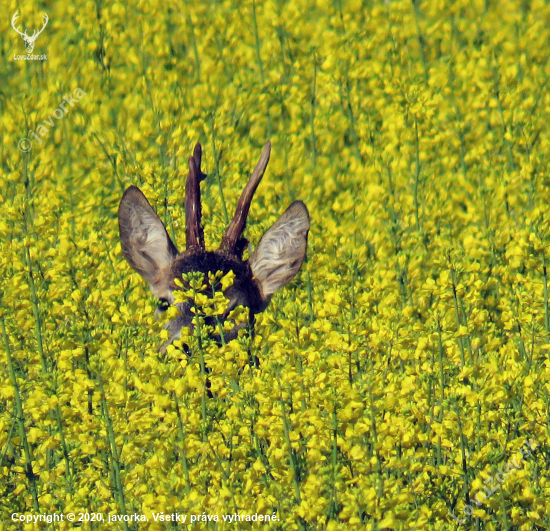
(29, 41)
(149, 250)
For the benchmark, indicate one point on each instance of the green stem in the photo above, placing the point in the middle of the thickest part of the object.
(352, 117)
(416, 175)
(440, 346)
(375, 434)
(463, 452)
(257, 41)
(503, 505)
(289, 448)
(3, 454)
(203, 375)
(35, 311)
(312, 120)
(21, 420)
(545, 278)
(260, 64)
(334, 494)
(217, 163)
(309, 294)
(511, 164)
(457, 317)
(114, 452)
(64, 448)
(183, 455)
(193, 41)
(420, 41)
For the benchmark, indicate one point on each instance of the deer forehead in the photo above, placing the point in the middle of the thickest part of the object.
(209, 262)
(244, 290)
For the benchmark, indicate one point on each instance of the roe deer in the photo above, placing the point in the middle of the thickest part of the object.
(149, 250)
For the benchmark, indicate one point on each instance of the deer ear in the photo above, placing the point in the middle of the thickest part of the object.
(145, 242)
(281, 250)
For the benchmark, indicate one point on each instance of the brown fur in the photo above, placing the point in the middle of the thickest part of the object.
(149, 250)
(244, 288)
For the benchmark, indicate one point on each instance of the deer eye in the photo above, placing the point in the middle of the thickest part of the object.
(164, 305)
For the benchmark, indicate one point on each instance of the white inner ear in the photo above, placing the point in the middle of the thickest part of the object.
(281, 250)
(145, 242)
(148, 238)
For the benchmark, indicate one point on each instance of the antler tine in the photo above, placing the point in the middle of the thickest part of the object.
(193, 227)
(234, 232)
(43, 26)
(197, 155)
(14, 18)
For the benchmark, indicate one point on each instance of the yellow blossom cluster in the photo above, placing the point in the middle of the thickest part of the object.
(394, 378)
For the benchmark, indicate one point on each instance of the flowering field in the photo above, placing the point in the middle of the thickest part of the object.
(403, 378)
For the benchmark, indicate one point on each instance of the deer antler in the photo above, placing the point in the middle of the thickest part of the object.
(36, 33)
(232, 239)
(193, 227)
(14, 18)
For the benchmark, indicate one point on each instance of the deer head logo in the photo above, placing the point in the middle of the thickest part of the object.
(29, 41)
(149, 250)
